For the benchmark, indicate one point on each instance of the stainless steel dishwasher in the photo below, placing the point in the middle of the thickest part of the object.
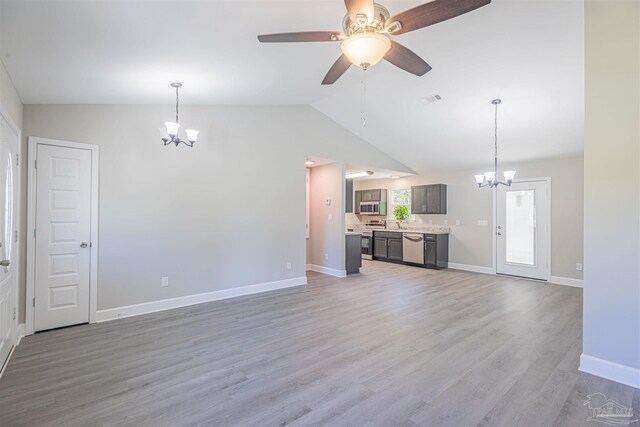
(413, 248)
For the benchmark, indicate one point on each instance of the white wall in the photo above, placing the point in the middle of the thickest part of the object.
(471, 244)
(228, 213)
(611, 345)
(326, 236)
(9, 98)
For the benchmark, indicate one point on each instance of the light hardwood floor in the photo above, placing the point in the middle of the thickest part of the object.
(394, 345)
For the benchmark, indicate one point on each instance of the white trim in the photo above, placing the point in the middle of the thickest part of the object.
(472, 268)
(31, 223)
(20, 335)
(170, 303)
(567, 281)
(327, 270)
(610, 370)
(15, 330)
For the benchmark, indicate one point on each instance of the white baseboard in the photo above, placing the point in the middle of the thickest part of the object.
(21, 332)
(20, 335)
(167, 304)
(610, 370)
(327, 270)
(577, 283)
(472, 268)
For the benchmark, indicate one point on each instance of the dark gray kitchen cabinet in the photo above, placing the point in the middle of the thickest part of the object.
(394, 249)
(349, 198)
(380, 247)
(436, 250)
(353, 253)
(429, 199)
(372, 195)
(387, 246)
(356, 202)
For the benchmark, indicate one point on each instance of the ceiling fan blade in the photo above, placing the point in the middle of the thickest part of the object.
(308, 36)
(406, 59)
(337, 69)
(355, 7)
(434, 12)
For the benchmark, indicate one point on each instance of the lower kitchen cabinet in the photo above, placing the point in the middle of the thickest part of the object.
(387, 246)
(394, 249)
(353, 253)
(436, 250)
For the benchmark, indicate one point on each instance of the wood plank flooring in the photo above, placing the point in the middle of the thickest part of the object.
(392, 346)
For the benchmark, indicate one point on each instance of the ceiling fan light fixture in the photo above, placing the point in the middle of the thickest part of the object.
(366, 49)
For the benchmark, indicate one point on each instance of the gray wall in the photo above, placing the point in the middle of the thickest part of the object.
(327, 236)
(228, 213)
(471, 244)
(612, 183)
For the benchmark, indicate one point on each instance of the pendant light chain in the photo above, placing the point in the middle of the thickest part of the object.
(495, 153)
(363, 99)
(177, 101)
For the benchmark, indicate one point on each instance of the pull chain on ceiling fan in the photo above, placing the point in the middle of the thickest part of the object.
(367, 28)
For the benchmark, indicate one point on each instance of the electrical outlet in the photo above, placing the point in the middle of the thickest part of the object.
(289, 266)
(457, 222)
(430, 222)
(326, 257)
(445, 222)
(579, 266)
(483, 222)
(165, 282)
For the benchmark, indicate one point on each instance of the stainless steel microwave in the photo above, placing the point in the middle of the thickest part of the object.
(370, 208)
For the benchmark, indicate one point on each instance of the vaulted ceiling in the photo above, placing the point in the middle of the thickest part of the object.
(527, 52)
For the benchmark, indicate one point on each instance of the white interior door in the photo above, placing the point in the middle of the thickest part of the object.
(63, 236)
(522, 229)
(8, 237)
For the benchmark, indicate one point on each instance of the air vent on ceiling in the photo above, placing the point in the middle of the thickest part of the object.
(431, 99)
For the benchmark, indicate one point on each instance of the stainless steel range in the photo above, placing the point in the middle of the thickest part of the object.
(367, 236)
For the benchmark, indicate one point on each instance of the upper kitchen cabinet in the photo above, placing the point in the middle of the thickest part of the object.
(349, 194)
(371, 202)
(374, 195)
(429, 199)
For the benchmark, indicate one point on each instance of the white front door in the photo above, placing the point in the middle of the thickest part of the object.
(8, 237)
(63, 236)
(522, 229)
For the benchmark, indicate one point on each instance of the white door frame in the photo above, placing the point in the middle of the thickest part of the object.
(31, 223)
(548, 234)
(18, 199)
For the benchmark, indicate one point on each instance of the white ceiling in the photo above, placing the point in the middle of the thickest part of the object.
(530, 53)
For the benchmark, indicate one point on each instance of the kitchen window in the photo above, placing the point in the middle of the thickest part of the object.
(399, 198)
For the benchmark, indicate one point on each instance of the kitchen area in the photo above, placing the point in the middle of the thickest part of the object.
(385, 221)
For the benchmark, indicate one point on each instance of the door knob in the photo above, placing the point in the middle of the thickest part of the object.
(5, 263)
(83, 245)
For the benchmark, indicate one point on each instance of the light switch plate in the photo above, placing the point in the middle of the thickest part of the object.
(457, 222)
(445, 222)
(579, 266)
(165, 281)
(483, 222)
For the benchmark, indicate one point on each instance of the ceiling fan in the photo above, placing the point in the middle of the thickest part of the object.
(367, 27)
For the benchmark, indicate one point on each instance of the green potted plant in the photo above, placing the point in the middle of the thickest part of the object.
(401, 212)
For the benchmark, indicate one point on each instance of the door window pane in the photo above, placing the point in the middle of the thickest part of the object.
(520, 227)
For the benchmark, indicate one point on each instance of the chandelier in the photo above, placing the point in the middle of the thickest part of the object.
(169, 133)
(490, 179)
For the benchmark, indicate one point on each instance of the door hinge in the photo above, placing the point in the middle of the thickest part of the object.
(17, 159)
(35, 164)
(16, 235)
(14, 313)
(34, 233)
(33, 302)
